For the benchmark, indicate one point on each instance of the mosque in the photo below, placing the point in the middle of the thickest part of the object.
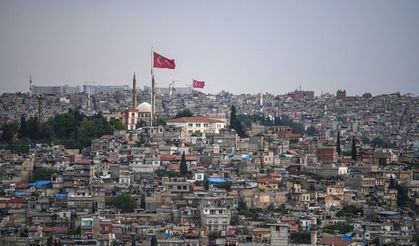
(139, 115)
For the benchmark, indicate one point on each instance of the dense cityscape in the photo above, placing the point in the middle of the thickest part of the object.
(89, 165)
(209, 123)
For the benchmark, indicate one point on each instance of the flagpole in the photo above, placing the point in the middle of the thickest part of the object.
(152, 89)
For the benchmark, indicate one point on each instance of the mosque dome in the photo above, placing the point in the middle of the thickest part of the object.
(144, 107)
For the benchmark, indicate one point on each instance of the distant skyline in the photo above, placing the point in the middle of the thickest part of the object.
(238, 46)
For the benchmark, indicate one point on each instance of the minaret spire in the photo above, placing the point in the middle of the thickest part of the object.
(30, 85)
(134, 92)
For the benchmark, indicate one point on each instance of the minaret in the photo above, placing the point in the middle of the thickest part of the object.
(261, 102)
(30, 85)
(134, 92)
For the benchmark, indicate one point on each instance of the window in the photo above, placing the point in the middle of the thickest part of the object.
(190, 125)
(198, 124)
(205, 124)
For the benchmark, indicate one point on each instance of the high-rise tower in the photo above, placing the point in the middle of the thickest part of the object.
(134, 92)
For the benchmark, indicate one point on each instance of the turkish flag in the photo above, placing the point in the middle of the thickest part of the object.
(198, 84)
(163, 62)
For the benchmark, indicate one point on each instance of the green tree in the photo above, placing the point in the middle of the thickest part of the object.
(241, 205)
(34, 128)
(75, 231)
(235, 123)
(341, 227)
(234, 219)
(338, 149)
(140, 142)
(125, 202)
(302, 237)
(21, 146)
(403, 199)
(349, 211)
(353, 152)
(183, 168)
(43, 173)
(117, 124)
(23, 127)
(393, 183)
(2, 193)
(311, 131)
(297, 127)
(9, 131)
(226, 186)
(142, 201)
(65, 125)
(379, 142)
(184, 113)
(153, 241)
(232, 116)
(206, 184)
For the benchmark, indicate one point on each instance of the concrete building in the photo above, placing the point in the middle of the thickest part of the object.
(199, 124)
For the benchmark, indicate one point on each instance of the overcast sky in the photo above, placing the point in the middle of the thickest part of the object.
(238, 46)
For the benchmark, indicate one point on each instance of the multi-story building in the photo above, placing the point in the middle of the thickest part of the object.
(215, 218)
(107, 89)
(55, 90)
(199, 124)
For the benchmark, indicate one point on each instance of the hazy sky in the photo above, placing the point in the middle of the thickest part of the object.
(238, 46)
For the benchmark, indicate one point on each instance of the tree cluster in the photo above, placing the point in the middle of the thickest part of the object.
(235, 123)
(125, 202)
(184, 113)
(246, 120)
(72, 129)
(340, 227)
(349, 211)
(302, 237)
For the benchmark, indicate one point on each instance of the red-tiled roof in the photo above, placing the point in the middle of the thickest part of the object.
(106, 137)
(12, 200)
(83, 162)
(336, 241)
(22, 186)
(266, 179)
(111, 159)
(198, 188)
(196, 119)
(56, 229)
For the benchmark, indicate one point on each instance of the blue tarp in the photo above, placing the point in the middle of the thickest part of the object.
(347, 237)
(168, 234)
(216, 180)
(22, 193)
(60, 195)
(230, 155)
(246, 157)
(39, 184)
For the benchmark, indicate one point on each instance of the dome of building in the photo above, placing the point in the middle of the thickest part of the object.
(144, 107)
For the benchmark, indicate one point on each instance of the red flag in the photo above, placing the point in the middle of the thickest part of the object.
(198, 84)
(163, 62)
